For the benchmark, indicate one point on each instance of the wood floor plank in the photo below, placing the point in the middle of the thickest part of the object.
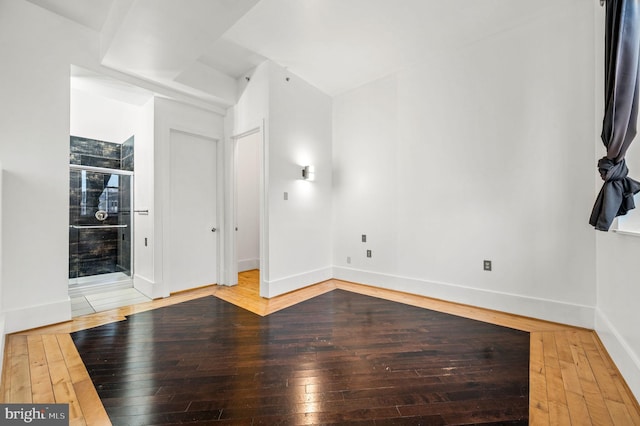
(578, 409)
(571, 381)
(75, 366)
(20, 383)
(93, 411)
(63, 389)
(538, 399)
(558, 409)
(5, 376)
(595, 402)
(41, 388)
(605, 382)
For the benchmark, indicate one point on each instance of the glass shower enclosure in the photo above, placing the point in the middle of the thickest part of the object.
(100, 207)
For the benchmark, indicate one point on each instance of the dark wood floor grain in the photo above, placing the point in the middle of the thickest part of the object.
(337, 358)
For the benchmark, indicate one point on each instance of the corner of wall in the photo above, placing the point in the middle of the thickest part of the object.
(296, 282)
(620, 351)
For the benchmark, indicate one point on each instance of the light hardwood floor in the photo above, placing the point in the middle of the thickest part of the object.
(572, 378)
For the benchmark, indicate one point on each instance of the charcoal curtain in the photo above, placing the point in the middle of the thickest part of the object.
(622, 53)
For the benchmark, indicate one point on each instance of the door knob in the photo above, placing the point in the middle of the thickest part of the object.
(213, 229)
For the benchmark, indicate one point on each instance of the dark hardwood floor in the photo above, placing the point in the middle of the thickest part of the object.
(340, 357)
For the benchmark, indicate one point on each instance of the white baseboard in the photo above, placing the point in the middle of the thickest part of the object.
(548, 310)
(627, 361)
(147, 287)
(295, 282)
(30, 317)
(248, 264)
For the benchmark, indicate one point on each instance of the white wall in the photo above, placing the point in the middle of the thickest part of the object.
(479, 154)
(248, 201)
(34, 150)
(97, 117)
(296, 121)
(617, 255)
(299, 128)
(143, 253)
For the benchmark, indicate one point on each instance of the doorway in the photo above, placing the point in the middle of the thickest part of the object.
(100, 202)
(248, 250)
(248, 202)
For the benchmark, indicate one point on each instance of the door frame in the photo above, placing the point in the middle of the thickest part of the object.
(119, 172)
(167, 273)
(232, 255)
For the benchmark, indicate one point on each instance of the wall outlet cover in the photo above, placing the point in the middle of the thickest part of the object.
(487, 265)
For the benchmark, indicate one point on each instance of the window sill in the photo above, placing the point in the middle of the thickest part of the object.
(631, 233)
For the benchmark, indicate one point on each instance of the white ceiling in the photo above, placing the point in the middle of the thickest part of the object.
(201, 47)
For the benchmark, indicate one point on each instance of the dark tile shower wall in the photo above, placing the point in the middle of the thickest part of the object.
(99, 251)
(126, 155)
(91, 152)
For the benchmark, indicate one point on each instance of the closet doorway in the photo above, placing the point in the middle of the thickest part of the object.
(248, 156)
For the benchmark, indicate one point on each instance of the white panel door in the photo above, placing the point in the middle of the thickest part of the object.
(193, 206)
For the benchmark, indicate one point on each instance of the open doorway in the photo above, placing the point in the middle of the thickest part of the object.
(106, 126)
(248, 173)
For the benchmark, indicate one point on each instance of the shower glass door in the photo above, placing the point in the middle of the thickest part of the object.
(100, 202)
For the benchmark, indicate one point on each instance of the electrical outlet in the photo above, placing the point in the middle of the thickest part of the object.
(364, 238)
(348, 259)
(286, 196)
(487, 265)
(368, 253)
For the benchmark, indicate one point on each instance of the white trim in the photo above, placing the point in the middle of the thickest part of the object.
(620, 351)
(30, 317)
(630, 233)
(248, 264)
(146, 287)
(250, 132)
(296, 282)
(545, 309)
(101, 170)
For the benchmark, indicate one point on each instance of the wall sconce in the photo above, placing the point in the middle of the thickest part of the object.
(309, 173)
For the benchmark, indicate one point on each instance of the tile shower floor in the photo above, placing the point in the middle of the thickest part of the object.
(103, 301)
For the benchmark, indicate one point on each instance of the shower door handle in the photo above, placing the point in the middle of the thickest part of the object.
(97, 226)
